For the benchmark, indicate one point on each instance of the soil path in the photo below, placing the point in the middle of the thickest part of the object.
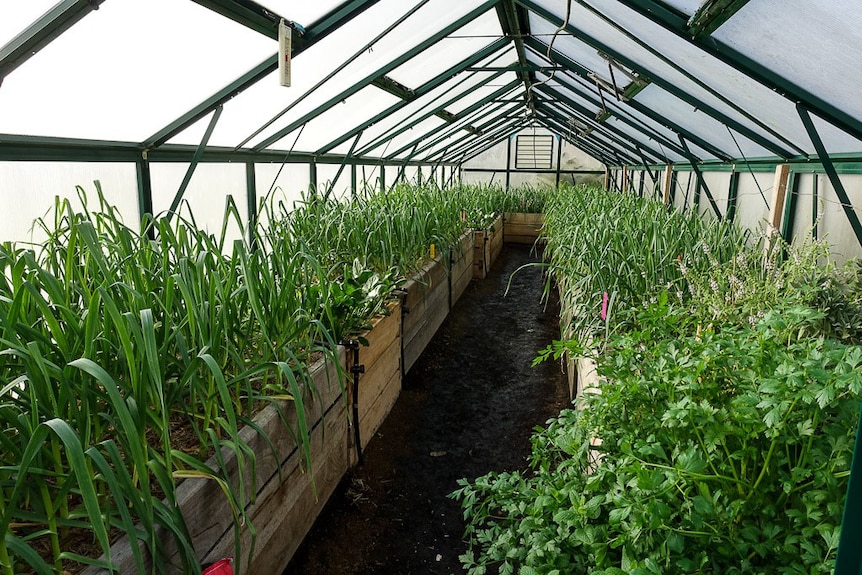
(468, 407)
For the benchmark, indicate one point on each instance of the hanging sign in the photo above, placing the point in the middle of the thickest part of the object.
(284, 37)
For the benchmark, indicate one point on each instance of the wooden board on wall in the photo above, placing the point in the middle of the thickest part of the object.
(462, 268)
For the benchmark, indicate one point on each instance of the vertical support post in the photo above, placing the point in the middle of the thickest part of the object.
(353, 191)
(732, 195)
(625, 185)
(666, 184)
(776, 211)
(641, 184)
(251, 199)
(382, 178)
(607, 178)
(815, 209)
(789, 220)
(559, 159)
(312, 175)
(145, 193)
(508, 161)
(829, 168)
(674, 178)
(195, 160)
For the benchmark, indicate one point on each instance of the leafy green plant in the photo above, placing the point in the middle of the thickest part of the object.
(719, 453)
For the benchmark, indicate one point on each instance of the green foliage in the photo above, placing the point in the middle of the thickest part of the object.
(719, 453)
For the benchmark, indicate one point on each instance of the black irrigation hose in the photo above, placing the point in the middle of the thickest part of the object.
(356, 369)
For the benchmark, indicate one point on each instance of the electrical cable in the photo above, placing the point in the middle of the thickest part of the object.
(759, 189)
(284, 161)
(561, 28)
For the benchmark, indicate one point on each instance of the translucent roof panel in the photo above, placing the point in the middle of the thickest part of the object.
(687, 6)
(699, 123)
(125, 71)
(303, 13)
(16, 20)
(823, 32)
(330, 55)
(449, 51)
(403, 143)
(338, 119)
(773, 110)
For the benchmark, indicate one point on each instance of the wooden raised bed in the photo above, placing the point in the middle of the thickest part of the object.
(380, 385)
(461, 267)
(487, 245)
(426, 305)
(286, 506)
(522, 228)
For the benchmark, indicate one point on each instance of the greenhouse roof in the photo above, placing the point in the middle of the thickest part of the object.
(630, 82)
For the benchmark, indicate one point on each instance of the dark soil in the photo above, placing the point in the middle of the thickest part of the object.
(468, 407)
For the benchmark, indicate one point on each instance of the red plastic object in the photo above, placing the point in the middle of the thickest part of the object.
(222, 567)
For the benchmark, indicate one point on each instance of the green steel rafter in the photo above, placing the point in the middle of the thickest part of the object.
(492, 118)
(42, 32)
(609, 148)
(661, 82)
(582, 72)
(578, 112)
(391, 65)
(494, 138)
(346, 159)
(622, 116)
(711, 15)
(619, 112)
(249, 14)
(313, 89)
(403, 167)
(491, 129)
(462, 145)
(562, 121)
(195, 160)
(145, 190)
(646, 46)
(399, 129)
(700, 180)
(594, 146)
(300, 42)
(461, 115)
(831, 173)
(672, 21)
(503, 135)
(422, 90)
(516, 25)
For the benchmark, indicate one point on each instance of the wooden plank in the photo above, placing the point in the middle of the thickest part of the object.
(437, 312)
(379, 387)
(385, 330)
(377, 412)
(204, 507)
(667, 183)
(433, 299)
(480, 270)
(462, 268)
(776, 208)
(288, 513)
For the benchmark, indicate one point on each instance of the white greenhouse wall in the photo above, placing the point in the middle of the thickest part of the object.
(29, 189)
(206, 196)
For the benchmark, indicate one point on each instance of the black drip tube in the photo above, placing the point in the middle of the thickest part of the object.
(356, 369)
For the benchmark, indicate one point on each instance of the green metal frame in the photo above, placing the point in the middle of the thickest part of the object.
(673, 22)
(42, 32)
(658, 81)
(388, 67)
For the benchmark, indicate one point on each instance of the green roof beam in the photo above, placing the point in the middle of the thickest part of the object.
(400, 129)
(673, 22)
(42, 32)
(579, 70)
(661, 82)
(461, 115)
(393, 64)
(313, 34)
(646, 46)
(422, 90)
(711, 15)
